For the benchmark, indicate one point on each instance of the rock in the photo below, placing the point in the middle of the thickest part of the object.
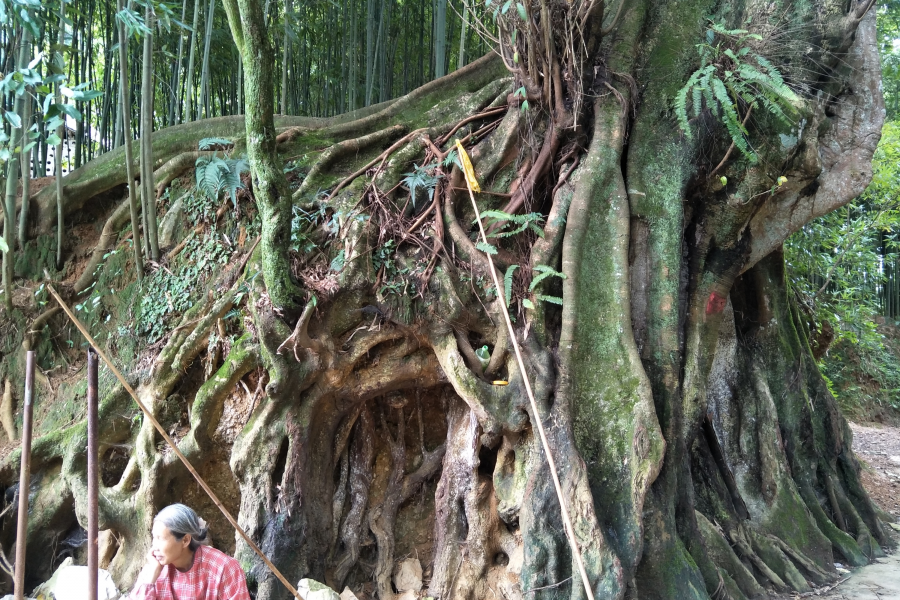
(408, 575)
(348, 594)
(171, 227)
(408, 595)
(895, 460)
(310, 589)
(70, 582)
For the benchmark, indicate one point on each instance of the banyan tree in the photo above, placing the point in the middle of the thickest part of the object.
(327, 345)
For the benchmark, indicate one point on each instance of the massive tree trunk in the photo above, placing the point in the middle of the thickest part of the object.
(700, 453)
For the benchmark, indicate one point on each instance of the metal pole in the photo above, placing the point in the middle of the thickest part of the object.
(24, 477)
(93, 478)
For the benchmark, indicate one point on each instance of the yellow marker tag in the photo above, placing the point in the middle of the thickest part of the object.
(467, 168)
(500, 382)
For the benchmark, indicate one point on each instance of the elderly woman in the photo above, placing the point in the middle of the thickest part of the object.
(181, 566)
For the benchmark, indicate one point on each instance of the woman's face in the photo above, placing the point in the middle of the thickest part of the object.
(168, 549)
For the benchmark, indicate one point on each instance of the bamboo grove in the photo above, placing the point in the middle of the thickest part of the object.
(335, 57)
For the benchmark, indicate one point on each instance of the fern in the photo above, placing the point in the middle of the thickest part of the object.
(731, 74)
(421, 177)
(216, 175)
(507, 283)
(519, 223)
(543, 273)
(214, 143)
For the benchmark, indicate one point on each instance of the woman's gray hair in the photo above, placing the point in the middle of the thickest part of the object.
(181, 520)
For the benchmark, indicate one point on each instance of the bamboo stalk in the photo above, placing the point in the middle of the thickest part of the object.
(24, 477)
(209, 492)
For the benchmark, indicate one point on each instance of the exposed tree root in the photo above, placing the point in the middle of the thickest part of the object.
(342, 150)
(174, 168)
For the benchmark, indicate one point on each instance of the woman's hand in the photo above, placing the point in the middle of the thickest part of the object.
(150, 573)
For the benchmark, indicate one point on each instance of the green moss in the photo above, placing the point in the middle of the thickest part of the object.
(36, 256)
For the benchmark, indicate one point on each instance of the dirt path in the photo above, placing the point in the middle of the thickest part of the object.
(878, 447)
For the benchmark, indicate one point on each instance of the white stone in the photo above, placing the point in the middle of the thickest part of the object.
(348, 594)
(70, 582)
(895, 460)
(408, 595)
(408, 575)
(310, 589)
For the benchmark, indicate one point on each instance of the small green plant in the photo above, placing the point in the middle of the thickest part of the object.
(731, 73)
(502, 224)
(302, 224)
(219, 174)
(425, 177)
(169, 292)
(543, 272)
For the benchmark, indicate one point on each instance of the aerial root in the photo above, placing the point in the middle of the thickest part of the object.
(342, 150)
(492, 112)
(400, 488)
(289, 135)
(362, 457)
(380, 158)
(542, 164)
(818, 576)
(300, 339)
(206, 411)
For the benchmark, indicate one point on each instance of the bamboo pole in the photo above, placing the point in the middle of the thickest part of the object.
(567, 521)
(24, 477)
(93, 479)
(171, 443)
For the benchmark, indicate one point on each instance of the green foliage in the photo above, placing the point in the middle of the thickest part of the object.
(507, 283)
(889, 45)
(425, 177)
(732, 74)
(219, 174)
(486, 248)
(302, 223)
(36, 81)
(543, 272)
(844, 268)
(383, 256)
(171, 291)
(510, 225)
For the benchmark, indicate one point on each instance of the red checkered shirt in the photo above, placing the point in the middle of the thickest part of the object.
(213, 576)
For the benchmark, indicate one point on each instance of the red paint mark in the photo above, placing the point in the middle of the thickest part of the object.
(715, 304)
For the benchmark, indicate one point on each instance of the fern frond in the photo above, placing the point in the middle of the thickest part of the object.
(774, 73)
(731, 120)
(543, 273)
(507, 283)
(681, 108)
(214, 142)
